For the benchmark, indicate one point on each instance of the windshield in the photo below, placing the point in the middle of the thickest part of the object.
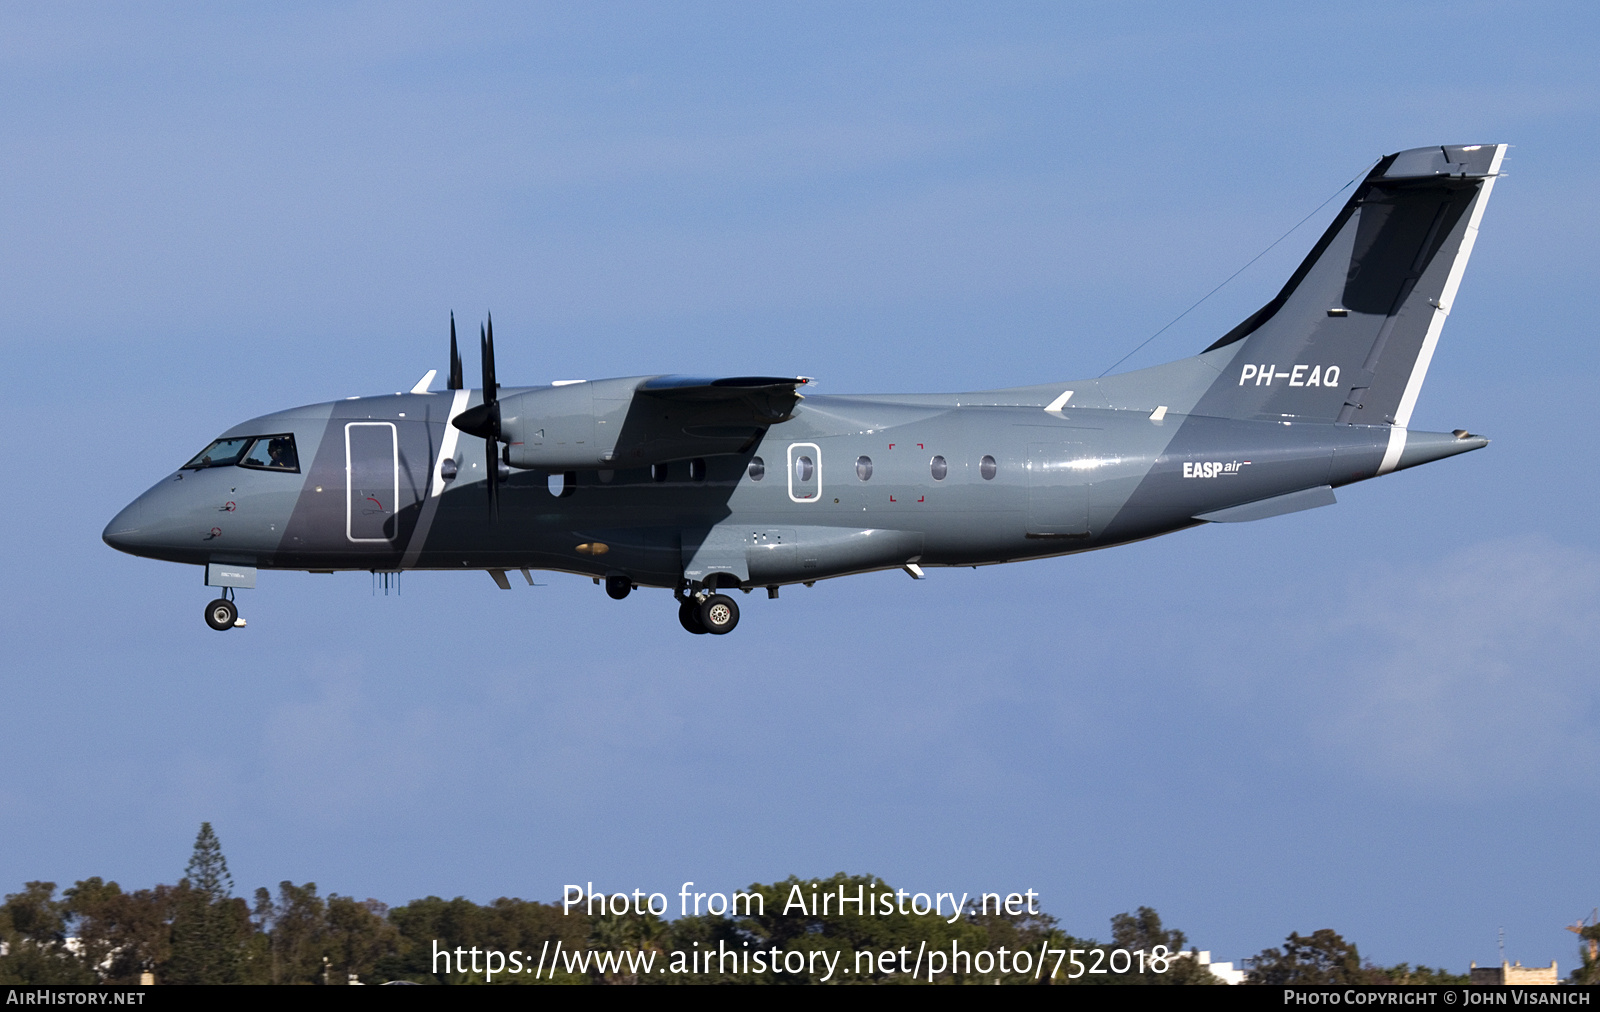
(219, 454)
(262, 453)
(272, 453)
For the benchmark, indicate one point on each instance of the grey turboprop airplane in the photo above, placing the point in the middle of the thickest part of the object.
(701, 486)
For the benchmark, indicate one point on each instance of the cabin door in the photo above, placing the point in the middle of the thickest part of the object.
(372, 481)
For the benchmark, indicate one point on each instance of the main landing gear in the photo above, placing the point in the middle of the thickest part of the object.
(222, 614)
(714, 613)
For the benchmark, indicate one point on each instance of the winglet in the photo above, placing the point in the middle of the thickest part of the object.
(425, 382)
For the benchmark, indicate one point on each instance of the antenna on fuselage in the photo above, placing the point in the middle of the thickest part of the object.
(455, 358)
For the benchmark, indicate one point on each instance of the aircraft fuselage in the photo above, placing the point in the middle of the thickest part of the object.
(847, 485)
(704, 484)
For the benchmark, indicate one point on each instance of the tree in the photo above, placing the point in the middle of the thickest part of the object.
(89, 905)
(1323, 957)
(359, 936)
(122, 934)
(1405, 973)
(794, 916)
(296, 928)
(1141, 931)
(210, 928)
(207, 872)
(33, 928)
(1588, 972)
(507, 924)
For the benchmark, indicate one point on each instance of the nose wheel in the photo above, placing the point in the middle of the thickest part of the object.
(222, 614)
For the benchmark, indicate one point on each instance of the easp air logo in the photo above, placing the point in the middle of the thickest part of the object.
(1212, 468)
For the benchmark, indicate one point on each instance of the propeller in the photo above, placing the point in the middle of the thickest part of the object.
(455, 359)
(483, 421)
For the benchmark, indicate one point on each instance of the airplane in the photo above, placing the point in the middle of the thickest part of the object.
(703, 486)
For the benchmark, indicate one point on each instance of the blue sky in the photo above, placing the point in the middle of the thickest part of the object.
(1380, 717)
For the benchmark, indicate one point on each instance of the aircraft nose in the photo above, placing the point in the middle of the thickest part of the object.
(122, 533)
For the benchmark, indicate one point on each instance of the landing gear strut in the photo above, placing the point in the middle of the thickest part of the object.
(222, 614)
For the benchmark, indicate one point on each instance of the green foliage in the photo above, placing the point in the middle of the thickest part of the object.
(1588, 971)
(1142, 931)
(123, 934)
(296, 930)
(505, 924)
(1322, 957)
(211, 930)
(847, 931)
(207, 872)
(358, 935)
(33, 927)
(1405, 973)
(89, 904)
(198, 932)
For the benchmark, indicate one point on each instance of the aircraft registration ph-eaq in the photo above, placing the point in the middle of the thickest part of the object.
(702, 486)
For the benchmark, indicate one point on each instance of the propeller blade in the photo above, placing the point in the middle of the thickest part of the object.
(491, 389)
(491, 421)
(455, 359)
(492, 459)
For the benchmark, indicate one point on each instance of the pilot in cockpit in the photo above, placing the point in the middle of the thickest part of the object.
(281, 455)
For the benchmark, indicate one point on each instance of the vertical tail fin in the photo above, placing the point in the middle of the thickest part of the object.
(1350, 337)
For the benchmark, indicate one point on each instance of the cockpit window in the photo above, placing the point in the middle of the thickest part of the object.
(272, 453)
(219, 454)
(265, 453)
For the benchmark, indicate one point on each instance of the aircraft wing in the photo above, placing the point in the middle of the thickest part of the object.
(638, 422)
(674, 417)
(734, 400)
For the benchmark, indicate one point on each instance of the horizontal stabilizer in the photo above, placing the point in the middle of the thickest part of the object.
(1427, 447)
(1277, 506)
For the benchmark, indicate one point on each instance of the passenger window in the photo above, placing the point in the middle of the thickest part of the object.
(864, 468)
(939, 468)
(758, 469)
(272, 453)
(987, 467)
(803, 468)
(221, 453)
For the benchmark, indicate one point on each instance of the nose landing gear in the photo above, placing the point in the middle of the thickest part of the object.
(222, 614)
